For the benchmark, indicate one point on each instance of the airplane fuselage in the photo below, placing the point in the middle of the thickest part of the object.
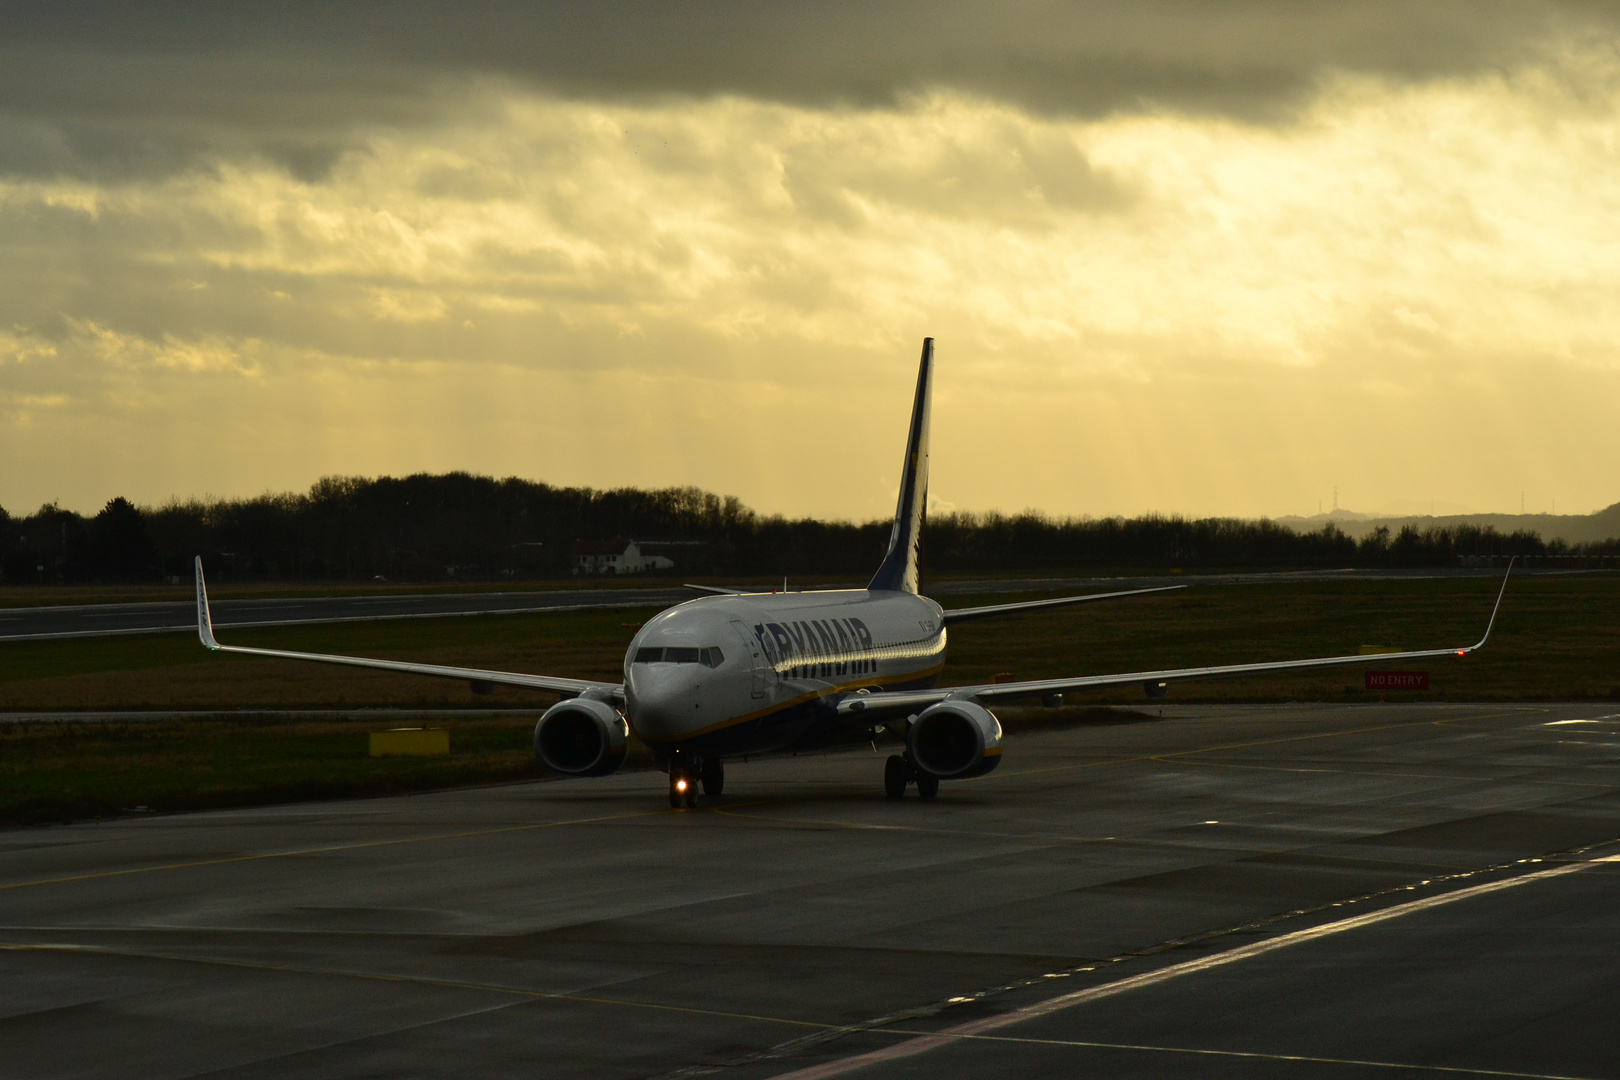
(759, 672)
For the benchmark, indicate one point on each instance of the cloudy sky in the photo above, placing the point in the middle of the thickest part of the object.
(1195, 258)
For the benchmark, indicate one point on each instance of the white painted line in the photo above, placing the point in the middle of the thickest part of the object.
(925, 1043)
(1258, 1056)
(1589, 720)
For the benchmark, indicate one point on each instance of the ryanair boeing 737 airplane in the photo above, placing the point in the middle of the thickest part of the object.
(740, 673)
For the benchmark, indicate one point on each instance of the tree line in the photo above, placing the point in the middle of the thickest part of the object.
(461, 526)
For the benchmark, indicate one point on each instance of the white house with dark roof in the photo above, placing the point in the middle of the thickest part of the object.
(616, 557)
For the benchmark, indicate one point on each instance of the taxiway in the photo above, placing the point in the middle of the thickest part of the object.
(805, 924)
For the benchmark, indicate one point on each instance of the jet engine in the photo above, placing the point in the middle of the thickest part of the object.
(581, 737)
(954, 740)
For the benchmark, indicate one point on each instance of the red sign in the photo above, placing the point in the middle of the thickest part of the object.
(1397, 680)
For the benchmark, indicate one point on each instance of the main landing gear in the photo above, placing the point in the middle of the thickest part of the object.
(899, 773)
(685, 775)
(714, 777)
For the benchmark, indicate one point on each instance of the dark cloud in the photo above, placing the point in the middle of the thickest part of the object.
(127, 89)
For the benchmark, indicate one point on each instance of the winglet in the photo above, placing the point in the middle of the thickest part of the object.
(899, 569)
(205, 621)
(1500, 593)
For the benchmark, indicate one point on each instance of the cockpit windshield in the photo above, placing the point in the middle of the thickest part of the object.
(709, 656)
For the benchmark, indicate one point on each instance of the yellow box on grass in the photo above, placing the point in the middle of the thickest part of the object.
(410, 742)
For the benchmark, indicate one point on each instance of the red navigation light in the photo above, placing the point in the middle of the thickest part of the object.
(1462, 652)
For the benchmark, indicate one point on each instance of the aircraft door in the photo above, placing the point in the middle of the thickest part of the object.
(756, 656)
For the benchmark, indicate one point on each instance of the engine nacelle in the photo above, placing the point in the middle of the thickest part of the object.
(581, 737)
(954, 740)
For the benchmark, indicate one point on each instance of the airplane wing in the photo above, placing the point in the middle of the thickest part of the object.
(477, 676)
(717, 590)
(878, 704)
(993, 610)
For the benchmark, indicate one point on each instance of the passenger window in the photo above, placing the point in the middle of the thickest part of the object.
(681, 656)
(712, 657)
(648, 656)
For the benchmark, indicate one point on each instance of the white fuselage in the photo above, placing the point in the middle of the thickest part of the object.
(759, 671)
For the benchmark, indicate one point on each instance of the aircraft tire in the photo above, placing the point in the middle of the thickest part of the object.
(927, 786)
(691, 798)
(714, 777)
(894, 776)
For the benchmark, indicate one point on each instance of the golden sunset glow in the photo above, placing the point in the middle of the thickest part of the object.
(1402, 288)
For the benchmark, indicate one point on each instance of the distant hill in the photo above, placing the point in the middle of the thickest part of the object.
(1570, 528)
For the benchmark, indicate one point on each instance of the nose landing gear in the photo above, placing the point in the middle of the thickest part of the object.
(685, 775)
(682, 781)
(899, 773)
(682, 791)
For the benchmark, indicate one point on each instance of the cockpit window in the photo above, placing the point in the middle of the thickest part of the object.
(708, 657)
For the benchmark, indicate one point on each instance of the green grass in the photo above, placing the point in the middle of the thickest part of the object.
(53, 772)
(1558, 638)
(23, 661)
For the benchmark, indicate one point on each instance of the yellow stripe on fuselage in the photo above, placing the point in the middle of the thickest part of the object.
(802, 698)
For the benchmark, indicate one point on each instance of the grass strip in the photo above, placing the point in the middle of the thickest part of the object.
(78, 770)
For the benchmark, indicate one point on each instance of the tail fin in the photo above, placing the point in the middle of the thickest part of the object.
(899, 570)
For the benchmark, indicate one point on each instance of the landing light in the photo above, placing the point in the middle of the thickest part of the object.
(680, 785)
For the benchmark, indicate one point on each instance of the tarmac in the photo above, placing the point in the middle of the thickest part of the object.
(1255, 891)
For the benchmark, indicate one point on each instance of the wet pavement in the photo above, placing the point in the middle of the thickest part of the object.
(1294, 890)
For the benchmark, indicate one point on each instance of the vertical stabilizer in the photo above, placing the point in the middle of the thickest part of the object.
(899, 569)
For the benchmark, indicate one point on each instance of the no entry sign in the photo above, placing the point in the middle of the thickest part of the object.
(1397, 680)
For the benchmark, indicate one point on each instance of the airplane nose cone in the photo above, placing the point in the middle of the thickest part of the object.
(660, 700)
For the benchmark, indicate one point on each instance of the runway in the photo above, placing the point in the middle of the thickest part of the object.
(106, 620)
(1287, 891)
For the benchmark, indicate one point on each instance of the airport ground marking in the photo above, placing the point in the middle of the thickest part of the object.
(383, 1033)
(1392, 775)
(861, 826)
(1164, 758)
(924, 1042)
(225, 860)
(327, 849)
(999, 774)
(885, 1023)
(1255, 1055)
(413, 980)
(1138, 758)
